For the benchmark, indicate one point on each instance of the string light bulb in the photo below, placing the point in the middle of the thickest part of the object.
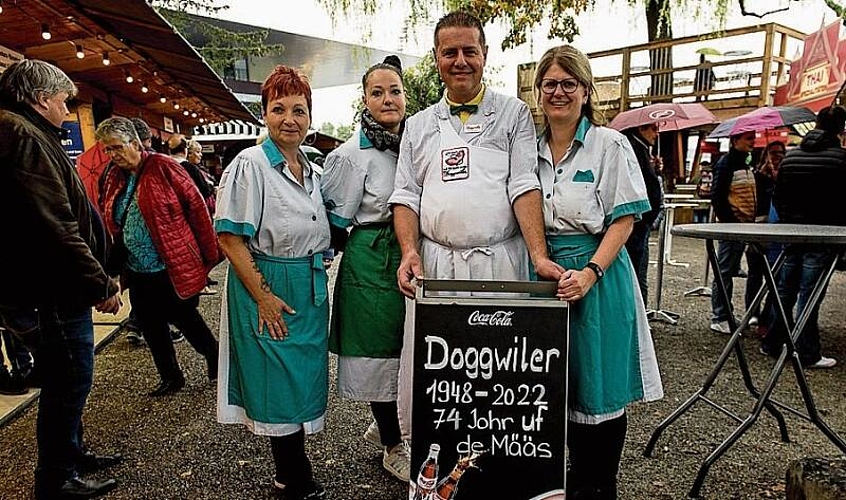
(186, 113)
(128, 76)
(144, 88)
(45, 32)
(162, 99)
(202, 120)
(1, 6)
(193, 115)
(175, 105)
(106, 60)
(80, 54)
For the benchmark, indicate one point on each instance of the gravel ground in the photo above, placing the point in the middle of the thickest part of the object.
(174, 449)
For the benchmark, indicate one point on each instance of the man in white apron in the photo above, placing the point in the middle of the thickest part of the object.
(466, 184)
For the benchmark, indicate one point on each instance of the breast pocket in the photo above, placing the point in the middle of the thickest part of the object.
(576, 201)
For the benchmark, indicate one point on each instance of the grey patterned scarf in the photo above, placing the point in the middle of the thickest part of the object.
(381, 138)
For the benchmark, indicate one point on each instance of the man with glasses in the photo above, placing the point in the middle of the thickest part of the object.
(643, 139)
(467, 200)
(52, 271)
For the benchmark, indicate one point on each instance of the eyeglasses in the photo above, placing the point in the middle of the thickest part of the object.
(568, 85)
(110, 150)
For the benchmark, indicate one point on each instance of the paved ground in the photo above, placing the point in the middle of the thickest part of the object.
(175, 450)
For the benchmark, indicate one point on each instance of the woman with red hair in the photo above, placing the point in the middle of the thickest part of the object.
(273, 229)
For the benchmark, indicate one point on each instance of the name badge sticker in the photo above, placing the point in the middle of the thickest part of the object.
(455, 164)
(473, 128)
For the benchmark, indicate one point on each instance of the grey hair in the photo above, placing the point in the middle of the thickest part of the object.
(117, 127)
(25, 80)
(193, 144)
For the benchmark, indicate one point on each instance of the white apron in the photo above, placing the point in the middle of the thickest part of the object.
(468, 229)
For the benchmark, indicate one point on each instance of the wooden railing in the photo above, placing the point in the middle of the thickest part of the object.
(753, 61)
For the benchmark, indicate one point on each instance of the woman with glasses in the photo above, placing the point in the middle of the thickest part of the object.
(593, 194)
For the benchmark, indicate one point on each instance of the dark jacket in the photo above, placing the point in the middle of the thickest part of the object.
(176, 216)
(650, 178)
(810, 182)
(733, 193)
(54, 242)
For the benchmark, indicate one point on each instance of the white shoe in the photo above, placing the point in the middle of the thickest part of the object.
(373, 436)
(397, 461)
(721, 327)
(824, 362)
(753, 321)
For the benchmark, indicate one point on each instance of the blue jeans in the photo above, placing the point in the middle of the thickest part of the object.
(638, 247)
(63, 346)
(729, 254)
(796, 279)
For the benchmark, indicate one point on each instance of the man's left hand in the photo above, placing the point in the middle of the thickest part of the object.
(548, 270)
(110, 305)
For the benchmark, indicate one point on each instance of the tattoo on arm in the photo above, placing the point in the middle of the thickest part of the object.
(265, 287)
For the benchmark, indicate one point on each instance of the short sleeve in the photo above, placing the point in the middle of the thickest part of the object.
(342, 189)
(621, 187)
(523, 155)
(239, 199)
(408, 187)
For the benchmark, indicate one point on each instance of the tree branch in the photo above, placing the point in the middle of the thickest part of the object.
(745, 12)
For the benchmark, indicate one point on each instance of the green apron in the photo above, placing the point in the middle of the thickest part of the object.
(281, 381)
(369, 310)
(604, 363)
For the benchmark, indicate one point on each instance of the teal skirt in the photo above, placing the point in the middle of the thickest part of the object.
(604, 363)
(280, 381)
(368, 309)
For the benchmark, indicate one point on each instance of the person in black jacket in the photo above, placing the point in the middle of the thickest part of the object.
(810, 177)
(52, 270)
(734, 199)
(643, 139)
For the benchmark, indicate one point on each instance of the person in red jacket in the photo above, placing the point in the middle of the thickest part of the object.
(152, 206)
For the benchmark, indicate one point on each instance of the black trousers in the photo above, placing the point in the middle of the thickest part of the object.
(293, 468)
(156, 304)
(595, 452)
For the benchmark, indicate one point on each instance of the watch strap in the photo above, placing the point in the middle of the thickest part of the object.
(597, 270)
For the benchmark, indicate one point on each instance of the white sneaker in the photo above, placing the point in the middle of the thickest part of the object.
(397, 461)
(824, 362)
(373, 436)
(721, 327)
(753, 321)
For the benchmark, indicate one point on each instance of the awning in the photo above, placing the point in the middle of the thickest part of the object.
(233, 130)
(139, 44)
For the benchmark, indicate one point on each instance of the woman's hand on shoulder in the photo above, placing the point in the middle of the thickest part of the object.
(270, 309)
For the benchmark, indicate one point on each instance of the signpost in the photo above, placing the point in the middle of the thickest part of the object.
(490, 391)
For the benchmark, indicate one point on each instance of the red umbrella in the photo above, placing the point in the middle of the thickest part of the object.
(667, 115)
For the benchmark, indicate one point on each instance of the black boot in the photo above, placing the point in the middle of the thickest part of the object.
(168, 386)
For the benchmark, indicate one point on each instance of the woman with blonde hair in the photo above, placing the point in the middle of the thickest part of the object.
(593, 193)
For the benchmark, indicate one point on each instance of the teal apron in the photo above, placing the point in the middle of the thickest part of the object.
(281, 381)
(368, 311)
(604, 367)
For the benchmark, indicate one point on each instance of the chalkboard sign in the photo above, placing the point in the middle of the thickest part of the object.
(489, 400)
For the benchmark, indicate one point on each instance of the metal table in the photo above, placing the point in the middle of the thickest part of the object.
(758, 236)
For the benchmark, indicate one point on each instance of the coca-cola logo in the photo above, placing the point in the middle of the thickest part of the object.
(498, 318)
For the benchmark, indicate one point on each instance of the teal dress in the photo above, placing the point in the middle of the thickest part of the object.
(612, 358)
(274, 387)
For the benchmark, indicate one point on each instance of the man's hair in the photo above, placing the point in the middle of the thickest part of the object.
(24, 81)
(142, 129)
(117, 127)
(832, 119)
(460, 19)
(177, 144)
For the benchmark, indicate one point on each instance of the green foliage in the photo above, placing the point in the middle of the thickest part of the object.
(423, 86)
(219, 47)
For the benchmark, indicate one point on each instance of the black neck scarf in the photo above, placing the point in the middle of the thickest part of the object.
(380, 137)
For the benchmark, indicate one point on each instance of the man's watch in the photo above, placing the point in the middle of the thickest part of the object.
(597, 270)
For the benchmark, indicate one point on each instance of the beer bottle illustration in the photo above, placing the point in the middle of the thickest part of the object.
(449, 485)
(428, 477)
